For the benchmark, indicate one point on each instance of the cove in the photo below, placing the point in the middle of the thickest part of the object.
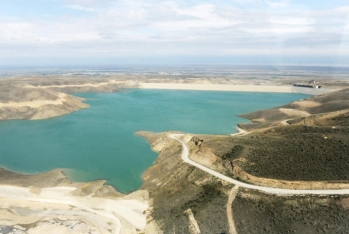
(99, 142)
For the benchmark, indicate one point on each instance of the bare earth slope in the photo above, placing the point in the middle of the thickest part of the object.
(323, 108)
(46, 98)
(40, 97)
(18, 102)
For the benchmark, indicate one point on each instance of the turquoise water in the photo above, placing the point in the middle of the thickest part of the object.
(99, 142)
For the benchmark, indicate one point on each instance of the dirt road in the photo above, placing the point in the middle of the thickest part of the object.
(277, 191)
(231, 222)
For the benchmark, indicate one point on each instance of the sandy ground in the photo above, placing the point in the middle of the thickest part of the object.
(218, 87)
(36, 104)
(240, 132)
(306, 104)
(294, 112)
(56, 210)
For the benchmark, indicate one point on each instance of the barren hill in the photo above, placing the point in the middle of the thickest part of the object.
(27, 103)
(324, 110)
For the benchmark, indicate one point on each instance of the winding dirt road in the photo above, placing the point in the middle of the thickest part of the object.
(230, 216)
(277, 191)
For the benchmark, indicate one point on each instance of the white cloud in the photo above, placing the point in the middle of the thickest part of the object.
(199, 17)
(279, 3)
(287, 20)
(15, 30)
(270, 3)
(81, 8)
(90, 3)
(172, 27)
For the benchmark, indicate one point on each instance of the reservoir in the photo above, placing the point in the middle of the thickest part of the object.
(99, 142)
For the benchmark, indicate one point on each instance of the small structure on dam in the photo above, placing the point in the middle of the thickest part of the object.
(310, 88)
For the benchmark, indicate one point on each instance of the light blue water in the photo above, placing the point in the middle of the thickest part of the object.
(99, 142)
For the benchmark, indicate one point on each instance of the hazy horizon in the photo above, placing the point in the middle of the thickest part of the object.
(183, 68)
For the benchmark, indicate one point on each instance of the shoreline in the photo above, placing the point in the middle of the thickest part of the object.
(93, 203)
(218, 87)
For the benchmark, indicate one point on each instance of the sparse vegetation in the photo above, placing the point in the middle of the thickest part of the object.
(300, 153)
(273, 214)
(306, 153)
(235, 151)
(209, 192)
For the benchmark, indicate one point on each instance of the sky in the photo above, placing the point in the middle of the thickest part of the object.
(117, 32)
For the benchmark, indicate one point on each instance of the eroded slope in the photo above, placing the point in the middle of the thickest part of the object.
(324, 110)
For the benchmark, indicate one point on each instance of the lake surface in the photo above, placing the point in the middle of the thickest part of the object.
(99, 142)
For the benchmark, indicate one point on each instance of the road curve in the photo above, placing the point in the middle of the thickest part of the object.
(277, 191)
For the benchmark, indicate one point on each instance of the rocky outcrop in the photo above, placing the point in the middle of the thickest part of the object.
(229, 165)
(195, 143)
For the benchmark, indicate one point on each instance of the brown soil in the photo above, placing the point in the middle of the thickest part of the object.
(13, 95)
(325, 103)
(14, 92)
(57, 178)
(47, 179)
(336, 118)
